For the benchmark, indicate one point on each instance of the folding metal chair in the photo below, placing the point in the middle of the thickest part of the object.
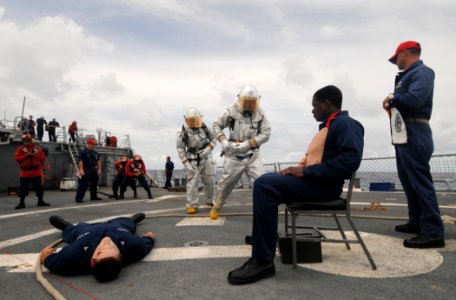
(333, 208)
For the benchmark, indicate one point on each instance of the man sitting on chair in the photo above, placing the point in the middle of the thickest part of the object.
(334, 154)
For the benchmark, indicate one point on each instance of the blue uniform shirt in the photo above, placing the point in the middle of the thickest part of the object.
(414, 89)
(342, 153)
(89, 158)
(74, 259)
(169, 165)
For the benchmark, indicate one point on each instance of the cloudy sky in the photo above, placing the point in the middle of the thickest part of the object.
(134, 66)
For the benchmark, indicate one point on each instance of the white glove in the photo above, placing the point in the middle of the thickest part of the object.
(205, 152)
(241, 147)
(189, 168)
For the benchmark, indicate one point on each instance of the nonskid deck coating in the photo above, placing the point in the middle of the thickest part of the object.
(171, 271)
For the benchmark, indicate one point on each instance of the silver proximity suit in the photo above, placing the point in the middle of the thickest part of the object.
(244, 129)
(194, 147)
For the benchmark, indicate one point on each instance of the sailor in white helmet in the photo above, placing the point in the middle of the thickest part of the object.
(248, 130)
(195, 142)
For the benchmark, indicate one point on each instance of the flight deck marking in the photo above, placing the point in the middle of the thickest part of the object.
(392, 258)
(203, 221)
(26, 262)
(33, 236)
(81, 207)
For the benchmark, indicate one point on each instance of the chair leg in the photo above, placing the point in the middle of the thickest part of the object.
(341, 231)
(293, 240)
(361, 242)
(286, 221)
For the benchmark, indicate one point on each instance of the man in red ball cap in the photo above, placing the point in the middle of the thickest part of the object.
(89, 170)
(410, 108)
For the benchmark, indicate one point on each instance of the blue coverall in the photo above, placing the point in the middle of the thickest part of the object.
(83, 239)
(90, 159)
(413, 95)
(321, 182)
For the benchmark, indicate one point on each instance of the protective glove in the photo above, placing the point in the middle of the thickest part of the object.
(241, 147)
(226, 147)
(205, 152)
(189, 169)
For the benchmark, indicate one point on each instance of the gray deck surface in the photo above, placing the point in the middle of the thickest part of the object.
(425, 274)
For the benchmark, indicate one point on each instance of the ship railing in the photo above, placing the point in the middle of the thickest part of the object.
(383, 170)
(371, 170)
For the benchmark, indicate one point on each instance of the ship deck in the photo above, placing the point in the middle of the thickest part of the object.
(193, 255)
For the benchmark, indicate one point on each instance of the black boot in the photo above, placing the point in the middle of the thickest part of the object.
(41, 202)
(135, 194)
(94, 198)
(58, 222)
(253, 270)
(138, 217)
(115, 195)
(149, 195)
(120, 197)
(21, 203)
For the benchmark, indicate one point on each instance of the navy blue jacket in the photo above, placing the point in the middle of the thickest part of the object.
(89, 158)
(74, 259)
(169, 166)
(342, 153)
(414, 90)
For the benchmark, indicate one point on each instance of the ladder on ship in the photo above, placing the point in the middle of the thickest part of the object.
(73, 149)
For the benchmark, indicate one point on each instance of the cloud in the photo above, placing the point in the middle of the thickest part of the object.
(134, 66)
(36, 56)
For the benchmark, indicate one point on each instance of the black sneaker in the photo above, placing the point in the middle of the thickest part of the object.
(42, 203)
(407, 228)
(424, 242)
(95, 199)
(121, 197)
(138, 217)
(58, 222)
(252, 271)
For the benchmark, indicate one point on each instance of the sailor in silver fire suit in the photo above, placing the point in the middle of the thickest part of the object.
(195, 142)
(248, 130)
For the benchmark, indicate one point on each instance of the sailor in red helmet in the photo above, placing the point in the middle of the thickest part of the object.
(31, 159)
(135, 169)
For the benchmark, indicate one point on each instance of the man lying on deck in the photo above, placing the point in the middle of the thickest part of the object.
(101, 249)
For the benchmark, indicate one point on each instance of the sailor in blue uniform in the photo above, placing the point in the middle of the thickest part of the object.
(341, 153)
(412, 97)
(100, 249)
(89, 170)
